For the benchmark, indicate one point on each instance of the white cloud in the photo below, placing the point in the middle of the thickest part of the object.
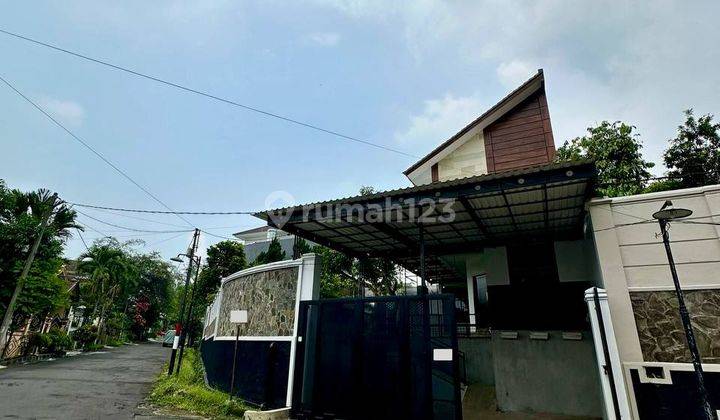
(69, 112)
(514, 73)
(323, 39)
(602, 60)
(439, 119)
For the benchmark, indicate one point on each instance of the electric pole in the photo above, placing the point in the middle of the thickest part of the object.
(7, 319)
(179, 328)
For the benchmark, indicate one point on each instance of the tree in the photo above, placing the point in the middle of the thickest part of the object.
(223, 259)
(20, 216)
(693, 156)
(111, 275)
(273, 253)
(616, 150)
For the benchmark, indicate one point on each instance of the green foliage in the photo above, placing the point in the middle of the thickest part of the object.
(54, 341)
(273, 253)
(85, 336)
(616, 150)
(20, 217)
(187, 391)
(223, 259)
(663, 185)
(336, 279)
(693, 156)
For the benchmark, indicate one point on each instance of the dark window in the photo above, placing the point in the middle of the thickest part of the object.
(532, 264)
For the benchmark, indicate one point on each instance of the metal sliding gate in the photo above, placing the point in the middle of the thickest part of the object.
(377, 358)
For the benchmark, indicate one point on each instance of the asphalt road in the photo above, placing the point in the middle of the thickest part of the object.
(105, 385)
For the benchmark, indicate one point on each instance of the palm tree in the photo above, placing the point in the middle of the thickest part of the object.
(110, 273)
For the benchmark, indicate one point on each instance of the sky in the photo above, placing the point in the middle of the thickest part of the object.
(405, 74)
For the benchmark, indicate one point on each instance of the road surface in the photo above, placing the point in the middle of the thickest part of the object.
(104, 385)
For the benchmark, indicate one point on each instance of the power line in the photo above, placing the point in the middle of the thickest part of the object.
(208, 95)
(219, 236)
(211, 213)
(83, 239)
(103, 158)
(142, 218)
(129, 228)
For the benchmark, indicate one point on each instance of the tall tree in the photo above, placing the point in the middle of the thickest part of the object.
(20, 213)
(617, 152)
(273, 253)
(693, 156)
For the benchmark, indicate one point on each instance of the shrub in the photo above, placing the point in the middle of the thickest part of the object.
(59, 341)
(55, 341)
(41, 341)
(85, 336)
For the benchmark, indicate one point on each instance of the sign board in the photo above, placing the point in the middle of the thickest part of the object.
(239, 317)
(442, 355)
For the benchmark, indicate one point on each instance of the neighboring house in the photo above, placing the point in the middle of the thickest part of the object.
(258, 240)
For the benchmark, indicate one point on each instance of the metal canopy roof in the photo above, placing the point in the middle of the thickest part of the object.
(462, 215)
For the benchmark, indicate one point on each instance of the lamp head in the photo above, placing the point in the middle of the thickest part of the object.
(668, 212)
(176, 259)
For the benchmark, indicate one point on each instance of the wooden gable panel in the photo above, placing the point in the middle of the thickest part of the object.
(522, 137)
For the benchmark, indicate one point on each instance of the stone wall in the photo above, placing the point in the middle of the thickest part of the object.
(268, 296)
(662, 338)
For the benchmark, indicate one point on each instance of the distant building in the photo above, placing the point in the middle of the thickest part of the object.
(258, 240)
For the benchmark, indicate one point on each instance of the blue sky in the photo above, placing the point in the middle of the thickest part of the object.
(405, 74)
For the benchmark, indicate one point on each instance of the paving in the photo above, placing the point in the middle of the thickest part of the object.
(108, 384)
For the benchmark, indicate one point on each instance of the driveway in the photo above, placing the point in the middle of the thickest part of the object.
(103, 385)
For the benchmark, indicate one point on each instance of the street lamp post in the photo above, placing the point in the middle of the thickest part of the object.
(179, 327)
(667, 213)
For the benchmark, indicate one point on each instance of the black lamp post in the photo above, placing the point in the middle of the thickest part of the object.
(667, 213)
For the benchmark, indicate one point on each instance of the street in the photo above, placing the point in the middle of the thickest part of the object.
(106, 384)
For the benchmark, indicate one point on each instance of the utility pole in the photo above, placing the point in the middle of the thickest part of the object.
(179, 328)
(7, 319)
(183, 336)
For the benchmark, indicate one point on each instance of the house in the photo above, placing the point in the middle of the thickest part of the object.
(257, 240)
(491, 219)
(552, 301)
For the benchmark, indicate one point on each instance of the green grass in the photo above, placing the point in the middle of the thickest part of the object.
(187, 391)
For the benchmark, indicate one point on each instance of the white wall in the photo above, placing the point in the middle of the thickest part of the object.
(632, 256)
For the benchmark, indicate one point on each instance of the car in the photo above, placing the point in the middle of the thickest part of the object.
(169, 338)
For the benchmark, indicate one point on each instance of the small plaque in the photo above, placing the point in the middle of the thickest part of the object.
(536, 335)
(442, 355)
(572, 335)
(239, 317)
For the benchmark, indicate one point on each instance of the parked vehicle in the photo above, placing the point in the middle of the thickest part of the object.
(169, 338)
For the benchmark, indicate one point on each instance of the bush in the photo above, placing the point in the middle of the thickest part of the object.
(85, 336)
(41, 341)
(60, 341)
(55, 341)
(115, 343)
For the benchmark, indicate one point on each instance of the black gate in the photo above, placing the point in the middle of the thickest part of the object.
(377, 358)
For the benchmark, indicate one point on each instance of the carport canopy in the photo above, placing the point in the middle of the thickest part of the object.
(464, 215)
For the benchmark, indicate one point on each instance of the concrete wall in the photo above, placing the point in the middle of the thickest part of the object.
(576, 260)
(633, 262)
(553, 376)
(632, 257)
(478, 360)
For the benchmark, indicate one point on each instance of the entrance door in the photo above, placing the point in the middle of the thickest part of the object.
(379, 357)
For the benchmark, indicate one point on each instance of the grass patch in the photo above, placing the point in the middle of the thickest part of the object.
(187, 391)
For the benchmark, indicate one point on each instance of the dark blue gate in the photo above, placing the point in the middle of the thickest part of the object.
(380, 357)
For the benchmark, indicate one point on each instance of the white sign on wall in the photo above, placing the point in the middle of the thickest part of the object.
(442, 355)
(239, 317)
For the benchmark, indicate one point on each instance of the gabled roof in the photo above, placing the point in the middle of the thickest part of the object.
(526, 89)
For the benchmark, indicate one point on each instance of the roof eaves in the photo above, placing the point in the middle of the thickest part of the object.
(433, 186)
